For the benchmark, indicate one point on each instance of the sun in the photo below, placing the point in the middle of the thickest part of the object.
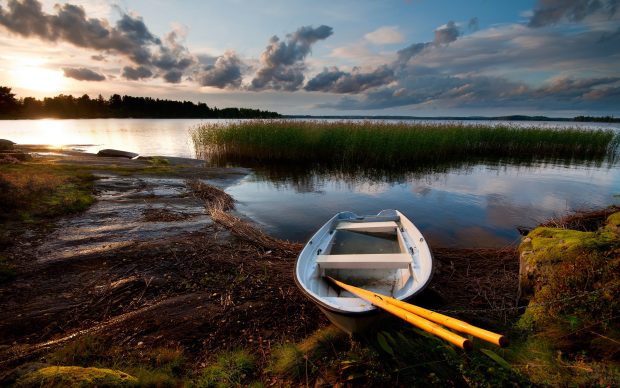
(33, 76)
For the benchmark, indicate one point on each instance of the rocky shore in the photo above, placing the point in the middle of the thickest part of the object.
(159, 266)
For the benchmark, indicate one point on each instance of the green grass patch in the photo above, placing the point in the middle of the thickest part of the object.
(76, 376)
(399, 355)
(159, 367)
(33, 192)
(393, 145)
(230, 369)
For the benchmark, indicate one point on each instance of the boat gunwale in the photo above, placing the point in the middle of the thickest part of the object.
(374, 310)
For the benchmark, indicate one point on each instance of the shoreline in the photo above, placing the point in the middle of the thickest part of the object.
(195, 284)
(218, 177)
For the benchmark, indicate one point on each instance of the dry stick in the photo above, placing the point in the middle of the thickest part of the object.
(218, 202)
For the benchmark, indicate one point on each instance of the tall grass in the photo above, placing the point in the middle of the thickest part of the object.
(377, 144)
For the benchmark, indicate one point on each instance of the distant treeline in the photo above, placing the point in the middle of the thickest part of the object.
(84, 107)
(602, 119)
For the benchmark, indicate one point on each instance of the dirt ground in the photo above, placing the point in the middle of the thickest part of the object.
(202, 290)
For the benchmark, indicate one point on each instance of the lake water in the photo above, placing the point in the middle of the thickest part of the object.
(476, 205)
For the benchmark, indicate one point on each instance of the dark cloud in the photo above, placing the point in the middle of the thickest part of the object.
(446, 34)
(136, 73)
(282, 62)
(336, 81)
(225, 72)
(474, 24)
(172, 55)
(567, 88)
(407, 53)
(173, 76)
(82, 74)
(547, 12)
(70, 24)
(129, 37)
(443, 35)
(97, 57)
(484, 92)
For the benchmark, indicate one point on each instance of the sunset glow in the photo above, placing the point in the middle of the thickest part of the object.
(31, 76)
(410, 58)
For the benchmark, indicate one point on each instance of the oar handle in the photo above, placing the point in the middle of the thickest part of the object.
(445, 320)
(429, 315)
(415, 320)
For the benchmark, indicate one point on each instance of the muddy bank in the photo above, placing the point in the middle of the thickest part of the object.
(146, 266)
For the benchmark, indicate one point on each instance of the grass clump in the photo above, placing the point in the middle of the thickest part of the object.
(231, 369)
(397, 356)
(385, 145)
(159, 367)
(33, 192)
(294, 361)
(84, 351)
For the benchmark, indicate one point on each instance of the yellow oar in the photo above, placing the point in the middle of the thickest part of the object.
(415, 320)
(445, 320)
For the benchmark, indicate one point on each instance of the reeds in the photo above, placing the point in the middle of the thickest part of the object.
(383, 144)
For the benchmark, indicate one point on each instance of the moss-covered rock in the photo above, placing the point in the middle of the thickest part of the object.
(76, 376)
(571, 280)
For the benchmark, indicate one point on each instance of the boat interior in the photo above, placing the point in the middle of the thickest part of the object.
(374, 255)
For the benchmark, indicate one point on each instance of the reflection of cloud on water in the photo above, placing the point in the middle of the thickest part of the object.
(373, 189)
(421, 190)
(503, 212)
(550, 187)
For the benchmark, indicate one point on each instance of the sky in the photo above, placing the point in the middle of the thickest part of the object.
(558, 58)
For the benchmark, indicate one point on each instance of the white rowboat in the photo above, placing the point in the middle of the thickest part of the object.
(383, 253)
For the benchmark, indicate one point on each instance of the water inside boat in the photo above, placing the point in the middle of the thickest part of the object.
(364, 242)
(347, 242)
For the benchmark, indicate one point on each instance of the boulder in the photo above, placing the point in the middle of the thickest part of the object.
(6, 145)
(117, 154)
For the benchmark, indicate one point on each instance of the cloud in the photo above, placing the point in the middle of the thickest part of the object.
(473, 24)
(130, 36)
(485, 92)
(446, 33)
(173, 58)
(282, 62)
(484, 70)
(83, 74)
(136, 73)
(335, 81)
(225, 72)
(385, 35)
(548, 12)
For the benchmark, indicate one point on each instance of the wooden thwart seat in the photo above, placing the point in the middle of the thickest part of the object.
(385, 226)
(366, 261)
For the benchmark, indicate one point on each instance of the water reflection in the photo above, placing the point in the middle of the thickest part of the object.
(312, 178)
(468, 204)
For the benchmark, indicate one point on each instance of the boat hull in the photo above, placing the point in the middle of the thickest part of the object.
(353, 324)
(347, 312)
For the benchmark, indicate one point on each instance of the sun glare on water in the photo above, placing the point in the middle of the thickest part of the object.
(32, 76)
(52, 132)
